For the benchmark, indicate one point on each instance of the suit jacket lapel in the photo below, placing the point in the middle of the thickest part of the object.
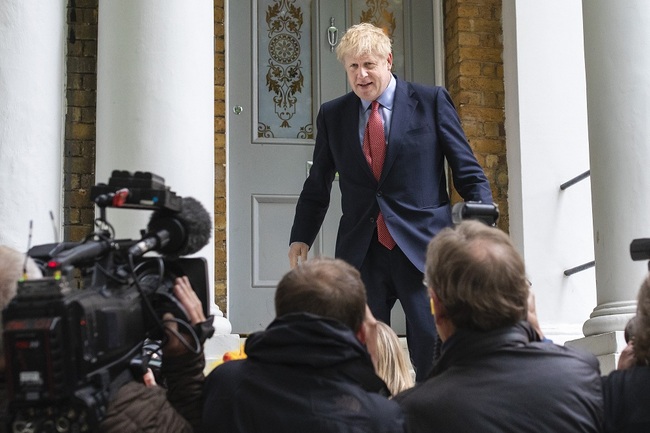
(403, 107)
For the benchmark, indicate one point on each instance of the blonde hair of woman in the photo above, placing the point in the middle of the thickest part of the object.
(392, 364)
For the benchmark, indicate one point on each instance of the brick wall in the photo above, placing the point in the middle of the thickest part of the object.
(220, 155)
(81, 95)
(474, 78)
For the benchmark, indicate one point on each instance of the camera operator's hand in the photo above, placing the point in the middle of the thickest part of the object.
(149, 378)
(192, 304)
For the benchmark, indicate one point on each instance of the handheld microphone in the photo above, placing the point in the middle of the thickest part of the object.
(176, 234)
(487, 213)
(640, 249)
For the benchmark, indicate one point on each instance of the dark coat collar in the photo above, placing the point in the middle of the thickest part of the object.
(467, 344)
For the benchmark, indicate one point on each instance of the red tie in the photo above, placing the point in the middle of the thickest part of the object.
(374, 148)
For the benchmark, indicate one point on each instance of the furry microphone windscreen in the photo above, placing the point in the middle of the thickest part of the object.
(198, 223)
(189, 230)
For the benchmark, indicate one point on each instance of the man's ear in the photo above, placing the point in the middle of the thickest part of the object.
(368, 328)
(444, 326)
(361, 335)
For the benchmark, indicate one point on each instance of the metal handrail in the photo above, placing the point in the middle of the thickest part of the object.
(580, 268)
(575, 180)
(564, 186)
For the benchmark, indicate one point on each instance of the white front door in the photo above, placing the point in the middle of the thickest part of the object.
(280, 68)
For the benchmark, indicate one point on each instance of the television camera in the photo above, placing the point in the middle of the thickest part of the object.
(68, 349)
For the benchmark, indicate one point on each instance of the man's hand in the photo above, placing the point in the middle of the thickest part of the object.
(297, 253)
(192, 304)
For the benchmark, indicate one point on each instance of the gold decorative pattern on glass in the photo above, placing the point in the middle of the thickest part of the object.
(284, 56)
(377, 12)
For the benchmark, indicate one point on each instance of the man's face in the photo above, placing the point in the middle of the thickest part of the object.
(368, 74)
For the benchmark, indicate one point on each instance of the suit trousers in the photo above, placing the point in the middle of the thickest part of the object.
(389, 275)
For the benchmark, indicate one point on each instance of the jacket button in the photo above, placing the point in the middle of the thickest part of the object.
(372, 220)
(379, 193)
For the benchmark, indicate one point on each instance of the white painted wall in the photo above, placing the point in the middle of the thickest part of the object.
(547, 143)
(32, 84)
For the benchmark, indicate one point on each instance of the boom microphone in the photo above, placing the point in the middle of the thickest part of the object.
(176, 234)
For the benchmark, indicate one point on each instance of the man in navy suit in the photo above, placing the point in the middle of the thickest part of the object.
(408, 196)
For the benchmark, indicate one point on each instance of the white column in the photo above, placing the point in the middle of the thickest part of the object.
(32, 85)
(155, 104)
(547, 145)
(618, 91)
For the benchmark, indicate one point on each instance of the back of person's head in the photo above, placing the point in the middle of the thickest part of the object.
(392, 364)
(12, 263)
(642, 324)
(630, 329)
(478, 276)
(363, 39)
(326, 287)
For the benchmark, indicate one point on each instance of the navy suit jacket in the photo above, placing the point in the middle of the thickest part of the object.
(412, 191)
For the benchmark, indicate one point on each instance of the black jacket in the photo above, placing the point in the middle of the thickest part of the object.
(3, 403)
(499, 381)
(303, 374)
(627, 400)
(140, 409)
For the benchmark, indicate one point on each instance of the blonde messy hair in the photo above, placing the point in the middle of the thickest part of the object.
(392, 364)
(362, 39)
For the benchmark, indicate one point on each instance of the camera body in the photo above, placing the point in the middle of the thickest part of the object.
(60, 348)
(67, 349)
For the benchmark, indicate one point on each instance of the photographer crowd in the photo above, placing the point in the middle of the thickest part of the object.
(313, 368)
